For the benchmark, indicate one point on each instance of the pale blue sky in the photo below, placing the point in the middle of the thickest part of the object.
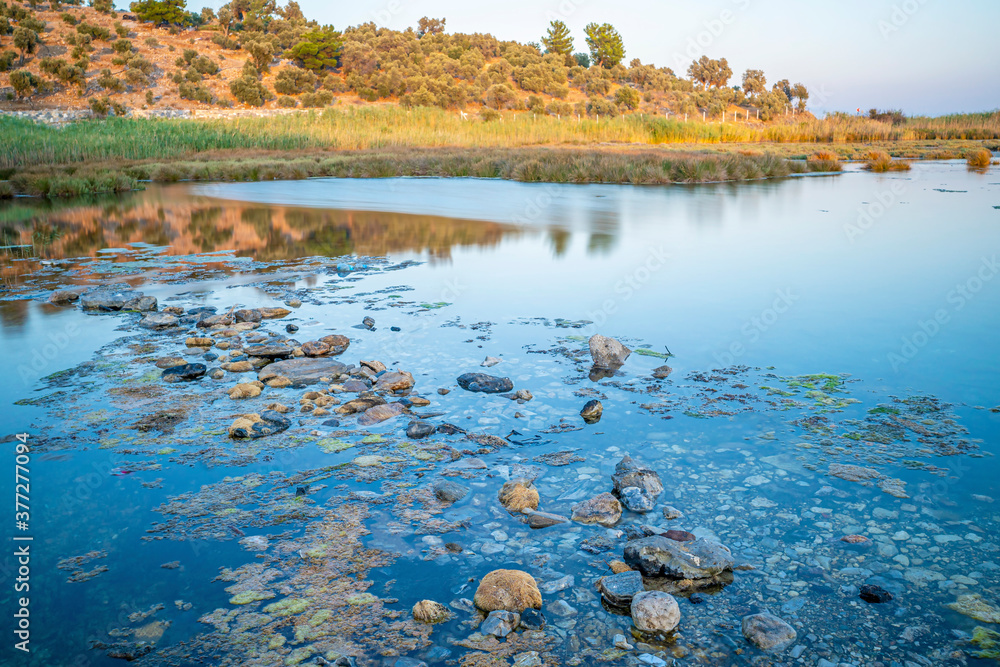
(924, 56)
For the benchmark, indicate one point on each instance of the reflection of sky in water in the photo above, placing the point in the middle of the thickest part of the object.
(554, 252)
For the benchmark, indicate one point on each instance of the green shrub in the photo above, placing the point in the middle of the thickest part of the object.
(287, 102)
(103, 6)
(120, 30)
(294, 81)
(205, 65)
(320, 99)
(627, 97)
(100, 107)
(152, 42)
(24, 83)
(68, 18)
(597, 106)
(150, 99)
(225, 42)
(94, 31)
(489, 115)
(7, 59)
(248, 90)
(122, 46)
(109, 81)
(334, 84)
(195, 93)
(499, 96)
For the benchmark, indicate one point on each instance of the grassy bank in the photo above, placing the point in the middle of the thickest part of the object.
(112, 155)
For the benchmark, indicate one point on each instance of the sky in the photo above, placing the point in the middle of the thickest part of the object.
(922, 56)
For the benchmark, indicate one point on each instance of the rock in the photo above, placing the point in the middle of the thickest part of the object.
(507, 590)
(169, 362)
(680, 535)
(394, 381)
(528, 659)
(302, 371)
(61, 297)
(429, 611)
(490, 362)
(670, 513)
(244, 390)
(448, 491)
(621, 643)
(487, 384)
(629, 472)
(974, 606)
(603, 509)
(532, 619)
(336, 342)
(409, 662)
(542, 519)
(768, 632)
(562, 608)
(291, 328)
(659, 556)
(448, 429)
(592, 411)
(368, 323)
(419, 429)
(607, 352)
(184, 373)
(874, 594)
(252, 315)
(273, 313)
(380, 413)
(140, 303)
(271, 351)
(158, 321)
(518, 495)
(255, 426)
(104, 299)
(315, 348)
(199, 342)
(662, 372)
(238, 367)
(214, 321)
(522, 396)
(655, 612)
(373, 366)
(216, 373)
(637, 500)
(500, 623)
(619, 589)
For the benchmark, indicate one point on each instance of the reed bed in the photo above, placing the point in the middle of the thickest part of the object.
(880, 161)
(979, 158)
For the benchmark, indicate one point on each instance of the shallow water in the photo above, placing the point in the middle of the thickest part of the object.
(884, 283)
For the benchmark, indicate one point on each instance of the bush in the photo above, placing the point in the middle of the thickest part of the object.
(320, 99)
(248, 90)
(979, 158)
(94, 31)
(824, 160)
(499, 96)
(100, 107)
(597, 106)
(489, 115)
(122, 46)
(149, 98)
(627, 97)
(103, 6)
(880, 161)
(225, 42)
(558, 108)
(7, 59)
(152, 42)
(287, 102)
(334, 84)
(108, 81)
(121, 30)
(195, 93)
(205, 65)
(24, 83)
(68, 18)
(294, 81)
(161, 11)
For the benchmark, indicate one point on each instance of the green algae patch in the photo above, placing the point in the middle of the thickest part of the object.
(988, 642)
(974, 606)
(166, 451)
(320, 617)
(372, 439)
(248, 597)
(333, 445)
(287, 607)
(646, 352)
(359, 599)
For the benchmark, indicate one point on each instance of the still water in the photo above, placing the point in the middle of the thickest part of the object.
(807, 323)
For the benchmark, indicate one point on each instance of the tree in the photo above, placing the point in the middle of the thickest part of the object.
(161, 11)
(317, 49)
(800, 92)
(558, 39)
(783, 87)
(582, 59)
(754, 82)
(103, 6)
(25, 41)
(24, 83)
(429, 26)
(247, 88)
(627, 97)
(261, 52)
(710, 72)
(606, 46)
(207, 14)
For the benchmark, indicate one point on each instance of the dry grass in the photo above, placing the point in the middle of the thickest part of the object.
(880, 161)
(979, 158)
(825, 160)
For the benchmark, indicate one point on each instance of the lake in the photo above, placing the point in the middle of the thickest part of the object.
(812, 359)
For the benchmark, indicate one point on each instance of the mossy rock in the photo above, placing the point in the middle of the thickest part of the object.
(248, 597)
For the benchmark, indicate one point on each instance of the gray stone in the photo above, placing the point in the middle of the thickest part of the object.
(603, 509)
(272, 351)
(500, 623)
(637, 500)
(419, 429)
(536, 519)
(270, 423)
(64, 296)
(140, 303)
(619, 589)
(655, 612)
(670, 513)
(448, 491)
(607, 352)
(768, 632)
(659, 556)
(184, 373)
(528, 659)
(487, 384)
(302, 371)
(630, 472)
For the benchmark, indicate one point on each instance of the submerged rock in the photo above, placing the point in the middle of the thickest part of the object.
(271, 351)
(487, 384)
(659, 556)
(619, 589)
(419, 429)
(974, 606)
(518, 495)
(637, 500)
(532, 619)
(662, 372)
(500, 623)
(394, 381)
(490, 361)
(542, 519)
(607, 352)
(592, 411)
(874, 594)
(158, 321)
(655, 612)
(603, 509)
(245, 390)
(429, 611)
(448, 491)
(61, 297)
(255, 426)
(184, 373)
(380, 413)
(768, 632)
(630, 472)
(508, 590)
(360, 404)
(110, 299)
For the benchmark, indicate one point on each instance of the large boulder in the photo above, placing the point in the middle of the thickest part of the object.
(659, 556)
(607, 352)
(655, 612)
(303, 370)
(508, 590)
(487, 384)
(768, 632)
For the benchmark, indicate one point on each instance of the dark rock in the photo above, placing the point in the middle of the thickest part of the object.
(874, 594)
(270, 423)
(184, 373)
(314, 348)
(380, 413)
(532, 619)
(360, 404)
(105, 299)
(210, 356)
(487, 384)
(449, 429)
(62, 297)
(291, 328)
(637, 500)
(659, 556)
(592, 411)
(419, 429)
(271, 351)
(337, 343)
(662, 372)
(603, 509)
(394, 329)
(252, 315)
(368, 322)
(537, 520)
(448, 491)
(202, 310)
(680, 535)
(696, 599)
(331, 422)
(140, 303)
(619, 589)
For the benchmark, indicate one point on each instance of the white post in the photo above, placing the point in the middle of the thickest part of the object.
(703, 116)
